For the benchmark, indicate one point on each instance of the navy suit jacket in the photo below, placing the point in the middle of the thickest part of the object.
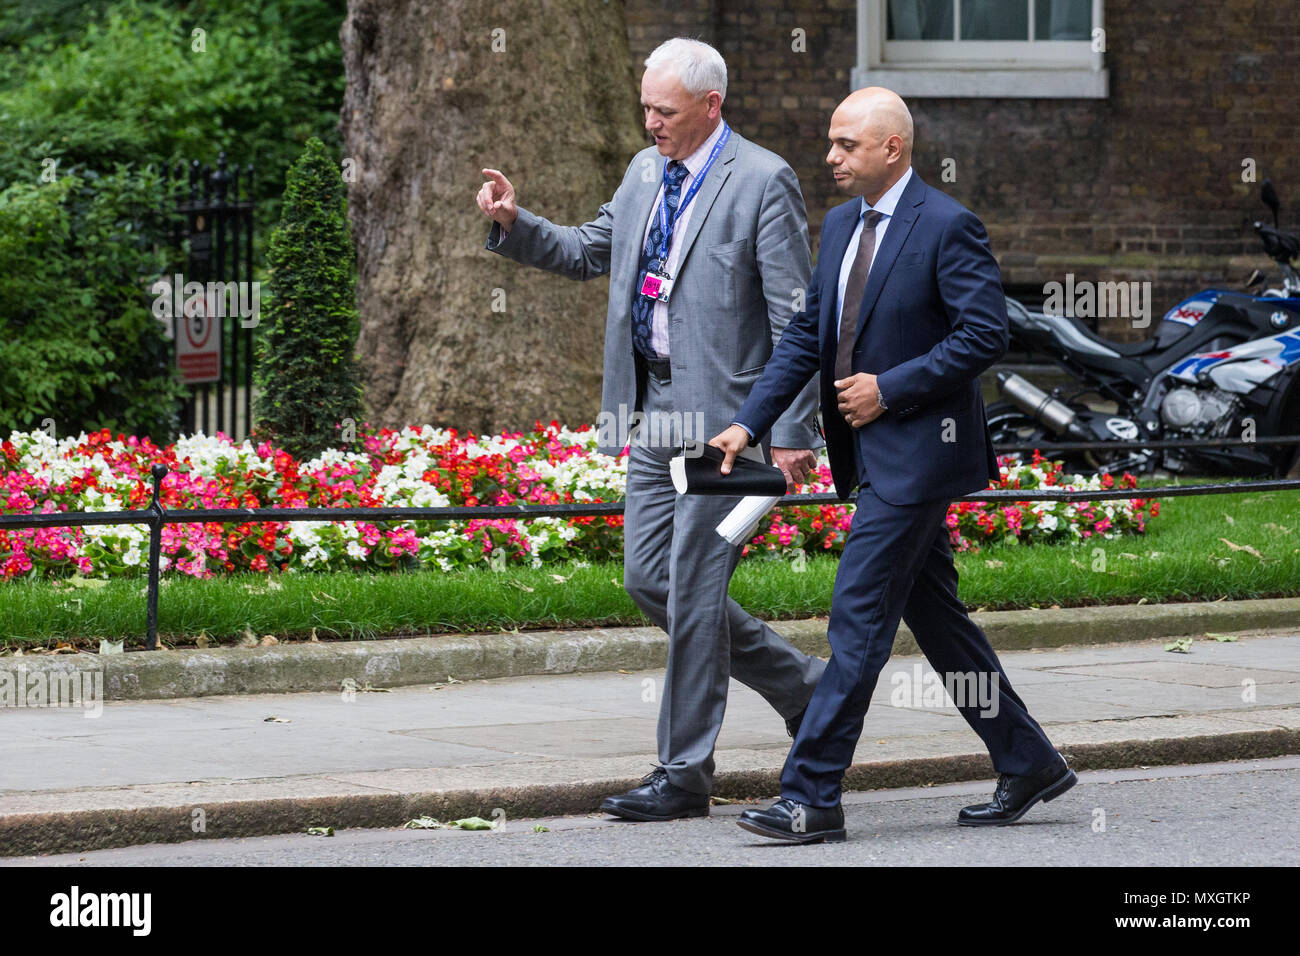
(933, 318)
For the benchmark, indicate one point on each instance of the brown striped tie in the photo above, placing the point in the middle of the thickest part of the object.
(853, 290)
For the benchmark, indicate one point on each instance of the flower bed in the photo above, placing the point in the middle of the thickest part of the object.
(970, 524)
(415, 467)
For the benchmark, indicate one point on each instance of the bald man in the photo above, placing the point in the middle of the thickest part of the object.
(904, 311)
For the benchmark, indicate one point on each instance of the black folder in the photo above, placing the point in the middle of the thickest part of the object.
(698, 471)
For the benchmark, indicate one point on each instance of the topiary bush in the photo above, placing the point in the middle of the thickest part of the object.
(306, 370)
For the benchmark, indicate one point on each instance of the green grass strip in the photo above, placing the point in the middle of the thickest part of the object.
(1184, 556)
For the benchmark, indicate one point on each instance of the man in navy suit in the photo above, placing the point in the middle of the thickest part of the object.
(904, 311)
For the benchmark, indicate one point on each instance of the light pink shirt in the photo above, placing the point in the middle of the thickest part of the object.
(694, 163)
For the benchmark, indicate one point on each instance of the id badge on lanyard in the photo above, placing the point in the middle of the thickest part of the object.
(657, 283)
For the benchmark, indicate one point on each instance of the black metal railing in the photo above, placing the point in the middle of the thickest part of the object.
(1160, 445)
(156, 516)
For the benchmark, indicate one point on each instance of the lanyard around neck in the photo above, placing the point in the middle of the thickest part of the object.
(665, 227)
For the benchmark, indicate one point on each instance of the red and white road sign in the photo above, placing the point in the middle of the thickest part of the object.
(198, 341)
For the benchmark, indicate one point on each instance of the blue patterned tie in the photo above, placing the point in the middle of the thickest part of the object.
(643, 308)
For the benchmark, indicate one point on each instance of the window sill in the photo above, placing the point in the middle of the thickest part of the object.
(972, 82)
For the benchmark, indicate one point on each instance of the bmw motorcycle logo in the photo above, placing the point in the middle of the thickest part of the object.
(1278, 319)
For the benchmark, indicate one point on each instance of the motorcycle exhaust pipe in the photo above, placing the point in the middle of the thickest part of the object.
(1054, 415)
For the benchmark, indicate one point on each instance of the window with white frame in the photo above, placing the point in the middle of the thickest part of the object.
(1021, 48)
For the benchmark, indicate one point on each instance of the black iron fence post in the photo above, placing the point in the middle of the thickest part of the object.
(155, 511)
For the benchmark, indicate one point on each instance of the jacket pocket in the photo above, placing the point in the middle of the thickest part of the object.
(728, 248)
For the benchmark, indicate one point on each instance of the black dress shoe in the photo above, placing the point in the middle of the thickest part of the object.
(1014, 796)
(796, 823)
(793, 724)
(657, 799)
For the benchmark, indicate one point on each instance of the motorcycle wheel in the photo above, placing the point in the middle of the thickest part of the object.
(1008, 425)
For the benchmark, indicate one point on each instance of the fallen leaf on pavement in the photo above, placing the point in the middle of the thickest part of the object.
(422, 823)
(471, 823)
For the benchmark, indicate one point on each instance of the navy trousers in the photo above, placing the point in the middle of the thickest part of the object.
(897, 563)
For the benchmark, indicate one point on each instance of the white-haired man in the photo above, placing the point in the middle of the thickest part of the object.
(706, 245)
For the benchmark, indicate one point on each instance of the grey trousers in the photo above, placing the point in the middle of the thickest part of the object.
(677, 569)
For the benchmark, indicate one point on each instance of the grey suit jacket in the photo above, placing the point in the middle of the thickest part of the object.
(741, 275)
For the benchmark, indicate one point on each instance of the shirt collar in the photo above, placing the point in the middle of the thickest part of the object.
(695, 162)
(889, 201)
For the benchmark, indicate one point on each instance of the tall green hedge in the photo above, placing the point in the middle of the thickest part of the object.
(78, 340)
(105, 94)
(134, 87)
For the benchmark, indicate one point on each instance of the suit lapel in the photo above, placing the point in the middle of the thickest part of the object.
(900, 225)
(704, 199)
(643, 202)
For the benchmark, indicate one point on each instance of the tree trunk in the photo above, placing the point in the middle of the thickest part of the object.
(451, 334)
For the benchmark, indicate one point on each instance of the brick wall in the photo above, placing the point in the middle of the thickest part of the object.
(1143, 185)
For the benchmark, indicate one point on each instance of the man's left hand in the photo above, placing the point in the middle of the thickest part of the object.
(859, 399)
(797, 463)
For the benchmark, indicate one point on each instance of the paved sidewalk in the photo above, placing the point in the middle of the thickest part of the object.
(556, 744)
(300, 667)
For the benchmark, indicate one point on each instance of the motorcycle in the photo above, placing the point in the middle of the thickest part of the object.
(1221, 364)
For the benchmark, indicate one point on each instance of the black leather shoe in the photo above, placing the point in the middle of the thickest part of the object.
(793, 724)
(1014, 795)
(657, 799)
(796, 823)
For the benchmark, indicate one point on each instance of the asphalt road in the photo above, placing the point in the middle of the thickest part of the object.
(1239, 813)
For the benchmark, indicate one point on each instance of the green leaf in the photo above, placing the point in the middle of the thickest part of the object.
(472, 823)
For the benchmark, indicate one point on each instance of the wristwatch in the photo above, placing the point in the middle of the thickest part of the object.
(880, 400)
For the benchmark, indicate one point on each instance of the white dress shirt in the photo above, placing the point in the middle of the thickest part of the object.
(694, 163)
(885, 206)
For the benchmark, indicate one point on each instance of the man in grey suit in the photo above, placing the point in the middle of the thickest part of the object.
(707, 254)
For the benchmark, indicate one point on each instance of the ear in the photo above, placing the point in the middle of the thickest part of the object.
(895, 146)
(715, 103)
